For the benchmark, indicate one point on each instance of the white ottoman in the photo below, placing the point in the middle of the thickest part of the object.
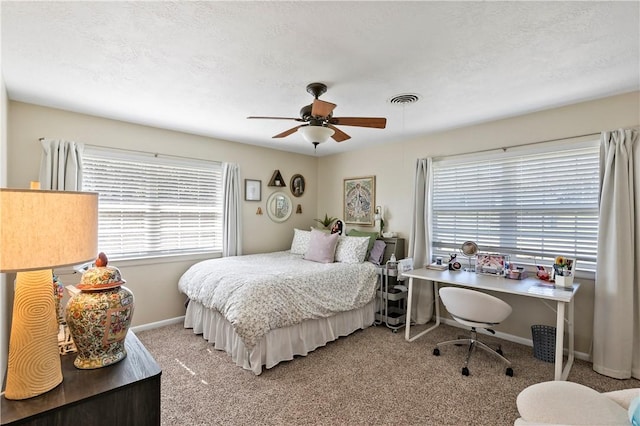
(568, 403)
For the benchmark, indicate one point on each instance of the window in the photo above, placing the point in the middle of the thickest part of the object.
(154, 206)
(530, 205)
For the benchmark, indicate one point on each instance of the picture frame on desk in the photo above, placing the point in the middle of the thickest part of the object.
(491, 263)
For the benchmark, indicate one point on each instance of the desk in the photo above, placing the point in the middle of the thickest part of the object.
(529, 287)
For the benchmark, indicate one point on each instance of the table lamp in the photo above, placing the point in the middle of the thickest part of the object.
(379, 216)
(39, 231)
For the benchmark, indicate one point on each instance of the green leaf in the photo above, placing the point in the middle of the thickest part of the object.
(327, 221)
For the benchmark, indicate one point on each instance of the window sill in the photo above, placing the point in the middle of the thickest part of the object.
(147, 261)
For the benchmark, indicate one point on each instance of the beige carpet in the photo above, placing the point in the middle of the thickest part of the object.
(371, 377)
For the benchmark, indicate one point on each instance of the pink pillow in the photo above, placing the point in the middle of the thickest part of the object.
(322, 247)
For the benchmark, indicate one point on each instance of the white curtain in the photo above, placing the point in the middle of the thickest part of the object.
(232, 219)
(420, 240)
(616, 317)
(61, 165)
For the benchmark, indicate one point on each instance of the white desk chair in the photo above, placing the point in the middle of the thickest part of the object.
(476, 310)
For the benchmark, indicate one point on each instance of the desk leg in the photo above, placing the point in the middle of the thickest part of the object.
(407, 334)
(407, 327)
(559, 340)
(567, 368)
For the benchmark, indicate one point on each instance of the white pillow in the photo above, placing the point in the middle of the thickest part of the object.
(322, 247)
(351, 249)
(300, 243)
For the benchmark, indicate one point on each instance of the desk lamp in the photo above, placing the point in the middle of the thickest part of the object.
(39, 231)
(379, 216)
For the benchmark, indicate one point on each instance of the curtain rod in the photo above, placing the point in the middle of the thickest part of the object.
(463, 153)
(154, 154)
(505, 148)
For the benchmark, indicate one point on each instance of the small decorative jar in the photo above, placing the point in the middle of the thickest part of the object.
(99, 316)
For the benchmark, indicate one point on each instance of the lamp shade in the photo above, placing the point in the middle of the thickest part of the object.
(46, 229)
(316, 134)
(39, 231)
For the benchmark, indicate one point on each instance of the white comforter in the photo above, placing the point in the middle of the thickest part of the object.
(260, 292)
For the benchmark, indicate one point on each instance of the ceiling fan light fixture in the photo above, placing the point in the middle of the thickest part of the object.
(316, 134)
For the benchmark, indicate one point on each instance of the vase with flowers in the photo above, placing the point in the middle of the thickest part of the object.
(563, 269)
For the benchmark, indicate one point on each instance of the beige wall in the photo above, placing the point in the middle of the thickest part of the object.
(394, 165)
(154, 283)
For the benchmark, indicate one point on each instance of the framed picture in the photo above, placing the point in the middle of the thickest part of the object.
(359, 199)
(252, 190)
(297, 185)
(493, 264)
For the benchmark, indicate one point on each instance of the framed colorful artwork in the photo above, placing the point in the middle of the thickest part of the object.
(359, 199)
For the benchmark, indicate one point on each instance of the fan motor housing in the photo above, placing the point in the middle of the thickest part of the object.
(305, 112)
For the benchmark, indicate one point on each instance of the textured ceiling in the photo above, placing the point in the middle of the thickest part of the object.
(203, 67)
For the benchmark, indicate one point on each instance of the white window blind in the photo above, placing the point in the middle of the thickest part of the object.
(154, 206)
(532, 206)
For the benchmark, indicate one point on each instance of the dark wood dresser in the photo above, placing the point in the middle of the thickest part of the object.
(126, 393)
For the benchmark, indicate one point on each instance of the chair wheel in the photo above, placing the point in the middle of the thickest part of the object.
(509, 371)
(465, 371)
(499, 351)
(436, 352)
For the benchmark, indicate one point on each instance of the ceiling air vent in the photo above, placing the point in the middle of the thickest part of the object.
(404, 99)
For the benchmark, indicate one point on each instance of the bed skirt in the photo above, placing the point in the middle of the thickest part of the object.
(278, 345)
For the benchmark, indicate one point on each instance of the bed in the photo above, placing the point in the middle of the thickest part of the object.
(263, 309)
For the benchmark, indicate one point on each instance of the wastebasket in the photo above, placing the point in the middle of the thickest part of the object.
(544, 342)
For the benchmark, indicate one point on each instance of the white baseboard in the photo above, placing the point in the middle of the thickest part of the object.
(152, 325)
(511, 338)
(505, 336)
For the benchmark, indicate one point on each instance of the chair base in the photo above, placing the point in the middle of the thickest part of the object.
(472, 342)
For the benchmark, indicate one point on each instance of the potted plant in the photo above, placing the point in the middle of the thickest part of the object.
(327, 221)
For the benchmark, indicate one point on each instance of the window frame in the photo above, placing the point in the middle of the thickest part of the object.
(172, 206)
(532, 258)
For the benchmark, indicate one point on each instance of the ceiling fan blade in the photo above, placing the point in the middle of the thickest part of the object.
(322, 108)
(288, 132)
(278, 118)
(376, 122)
(339, 135)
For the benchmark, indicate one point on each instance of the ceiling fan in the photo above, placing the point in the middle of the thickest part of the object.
(319, 122)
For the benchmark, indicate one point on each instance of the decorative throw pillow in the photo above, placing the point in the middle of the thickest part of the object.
(377, 252)
(300, 243)
(322, 247)
(351, 249)
(372, 237)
